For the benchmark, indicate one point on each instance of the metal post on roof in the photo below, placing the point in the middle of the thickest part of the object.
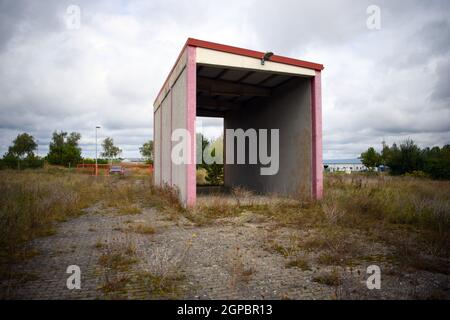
(266, 56)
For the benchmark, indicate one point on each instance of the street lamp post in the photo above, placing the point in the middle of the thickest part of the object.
(96, 165)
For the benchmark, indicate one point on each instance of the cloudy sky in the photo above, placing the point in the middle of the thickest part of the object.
(387, 84)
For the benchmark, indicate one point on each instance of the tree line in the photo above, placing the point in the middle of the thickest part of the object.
(64, 150)
(408, 158)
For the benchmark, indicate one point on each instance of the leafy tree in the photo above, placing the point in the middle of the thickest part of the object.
(110, 151)
(9, 161)
(215, 171)
(385, 153)
(371, 159)
(56, 148)
(21, 154)
(33, 162)
(92, 161)
(406, 158)
(204, 144)
(437, 162)
(215, 174)
(72, 152)
(147, 151)
(409, 158)
(23, 145)
(64, 149)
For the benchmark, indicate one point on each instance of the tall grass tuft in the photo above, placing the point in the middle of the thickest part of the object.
(33, 201)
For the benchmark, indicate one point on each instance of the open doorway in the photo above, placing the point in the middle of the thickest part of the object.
(266, 108)
(209, 154)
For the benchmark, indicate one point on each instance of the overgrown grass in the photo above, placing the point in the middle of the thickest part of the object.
(300, 263)
(239, 269)
(411, 215)
(161, 287)
(332, 278)
(356, 209)
(422, 203)
(142, 228)
(33, 201)
(216, 207)
(117, 262)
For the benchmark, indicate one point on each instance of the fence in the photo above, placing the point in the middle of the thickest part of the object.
(103, 169)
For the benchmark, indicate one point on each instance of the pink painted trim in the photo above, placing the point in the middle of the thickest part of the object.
(160, 147)
(171, 131)
(191, 103)
(224, 153)
(154, 145)
(316, 118)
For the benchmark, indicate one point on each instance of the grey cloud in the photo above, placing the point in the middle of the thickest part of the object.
(436, 36)
(10, 13)
(441, 90)
(36, 18)
(387, 84)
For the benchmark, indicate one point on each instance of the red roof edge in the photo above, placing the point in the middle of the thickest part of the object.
(240, 51)
(253, 54)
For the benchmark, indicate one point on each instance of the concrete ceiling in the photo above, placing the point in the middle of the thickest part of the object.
(220, 90)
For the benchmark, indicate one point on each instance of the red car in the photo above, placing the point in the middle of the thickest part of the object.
(117, 170)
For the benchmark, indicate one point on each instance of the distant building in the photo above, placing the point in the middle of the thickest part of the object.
(344, 165)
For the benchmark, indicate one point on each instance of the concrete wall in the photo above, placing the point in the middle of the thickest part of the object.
(179, 114)
(171, 114)
(289, 110)
(166, 132)
(157, 146)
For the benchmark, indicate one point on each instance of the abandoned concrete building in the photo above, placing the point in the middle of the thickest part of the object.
(248, 89)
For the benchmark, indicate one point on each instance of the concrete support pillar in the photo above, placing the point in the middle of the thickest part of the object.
(316, 117)
(191, 103)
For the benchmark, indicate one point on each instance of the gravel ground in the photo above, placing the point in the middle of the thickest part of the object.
(232, 258)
